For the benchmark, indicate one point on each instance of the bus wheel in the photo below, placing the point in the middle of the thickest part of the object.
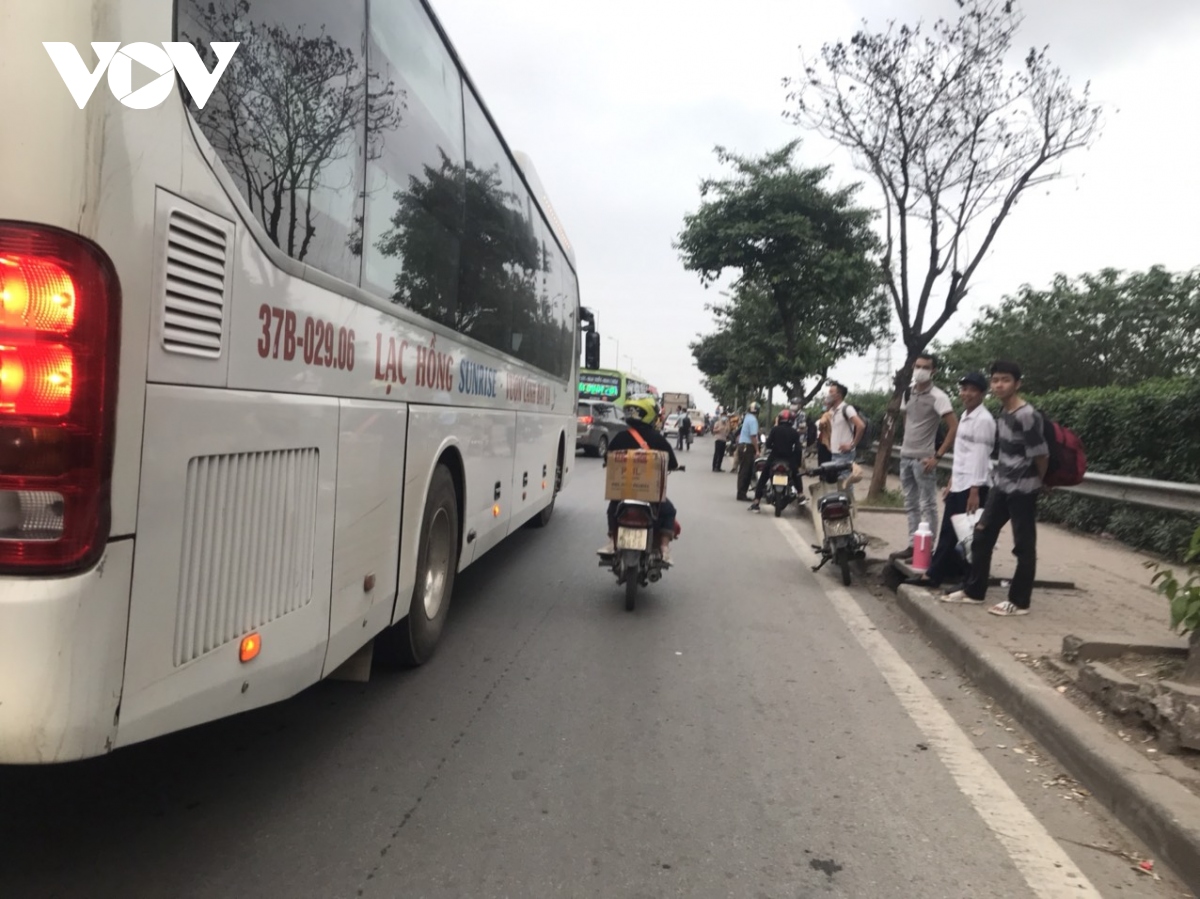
(543, 517)
(412, 641)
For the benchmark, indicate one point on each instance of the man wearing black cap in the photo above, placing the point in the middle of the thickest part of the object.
(969, 480)
(1023, 458)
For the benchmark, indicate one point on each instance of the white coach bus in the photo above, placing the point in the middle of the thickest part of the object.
(278, 357)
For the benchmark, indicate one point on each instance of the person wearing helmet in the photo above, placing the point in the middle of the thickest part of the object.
(641, 415)
(747, 451)
(783, 445)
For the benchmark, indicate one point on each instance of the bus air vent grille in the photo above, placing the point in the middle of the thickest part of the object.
(247, 554)
(194, 302)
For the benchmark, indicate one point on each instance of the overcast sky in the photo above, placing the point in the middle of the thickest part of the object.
(620, 105)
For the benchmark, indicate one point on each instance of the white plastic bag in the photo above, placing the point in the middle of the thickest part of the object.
(964, 530)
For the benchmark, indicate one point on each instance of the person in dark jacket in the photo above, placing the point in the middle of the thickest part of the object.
(783, 445)
(640, 416)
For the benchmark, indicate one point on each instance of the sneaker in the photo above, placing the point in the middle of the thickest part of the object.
(1007, 608)
(608, 548)
(753, 507)
(961, 597)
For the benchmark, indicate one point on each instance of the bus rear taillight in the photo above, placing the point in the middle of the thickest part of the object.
(35, 293)
(59, 340)
(35, 381)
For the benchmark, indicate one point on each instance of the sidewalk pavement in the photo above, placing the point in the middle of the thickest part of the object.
(1112, 596)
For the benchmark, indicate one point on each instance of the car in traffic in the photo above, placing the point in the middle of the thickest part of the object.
(670, 427)
(596, 424)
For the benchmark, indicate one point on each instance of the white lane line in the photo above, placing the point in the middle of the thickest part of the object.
(1047, 869)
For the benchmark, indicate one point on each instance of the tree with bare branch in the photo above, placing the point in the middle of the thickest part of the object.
(953, 138)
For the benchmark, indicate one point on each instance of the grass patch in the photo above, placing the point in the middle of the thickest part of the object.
(887, 499)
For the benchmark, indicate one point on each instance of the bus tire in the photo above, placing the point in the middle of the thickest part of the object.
(543, 517)
(412, 641)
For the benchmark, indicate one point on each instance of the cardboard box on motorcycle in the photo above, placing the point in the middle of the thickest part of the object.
(636, 474)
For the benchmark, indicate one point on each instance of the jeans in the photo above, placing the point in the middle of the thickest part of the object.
(1021, 510)
(665, 523)
(947, 564)
(920, 495)
(718, 454)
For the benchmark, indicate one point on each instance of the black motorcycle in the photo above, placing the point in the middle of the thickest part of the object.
(781, 489)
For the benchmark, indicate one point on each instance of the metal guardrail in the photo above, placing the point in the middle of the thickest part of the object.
(1170, 495)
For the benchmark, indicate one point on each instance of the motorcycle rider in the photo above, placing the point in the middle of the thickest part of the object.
(640, 416)
(783, 445)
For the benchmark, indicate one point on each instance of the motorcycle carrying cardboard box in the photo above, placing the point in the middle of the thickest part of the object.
(636, 474)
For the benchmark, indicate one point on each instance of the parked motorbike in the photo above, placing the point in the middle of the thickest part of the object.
(637, 561)
(841, 543)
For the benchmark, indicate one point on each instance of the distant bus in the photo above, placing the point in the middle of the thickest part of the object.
(610, 385)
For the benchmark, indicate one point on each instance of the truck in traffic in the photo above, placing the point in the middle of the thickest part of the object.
(673, 402)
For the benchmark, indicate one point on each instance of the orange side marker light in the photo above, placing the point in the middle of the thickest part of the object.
(251, 644)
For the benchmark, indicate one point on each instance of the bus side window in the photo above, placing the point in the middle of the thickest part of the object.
(311, 209)
(415, 175)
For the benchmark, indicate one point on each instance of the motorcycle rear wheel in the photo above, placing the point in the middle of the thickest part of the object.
(631, 586)
(843, 560)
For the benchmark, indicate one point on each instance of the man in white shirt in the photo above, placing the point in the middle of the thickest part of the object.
(969, 479)
(846, 428)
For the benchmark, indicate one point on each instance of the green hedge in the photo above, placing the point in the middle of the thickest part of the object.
(1148, 430)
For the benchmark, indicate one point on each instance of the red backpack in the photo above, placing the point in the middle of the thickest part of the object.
(1068, 460)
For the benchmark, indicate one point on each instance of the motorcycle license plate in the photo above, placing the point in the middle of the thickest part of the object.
(632, 538)
(779, 480)
(838, 528)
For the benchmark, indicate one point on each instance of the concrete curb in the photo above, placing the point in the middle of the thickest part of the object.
(1163, 814)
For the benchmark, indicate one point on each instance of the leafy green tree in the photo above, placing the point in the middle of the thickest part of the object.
(738, 359)
(1091, 331)
(808, 288)
(952, 140)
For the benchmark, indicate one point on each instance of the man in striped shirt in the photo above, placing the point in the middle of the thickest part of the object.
(1019, 472)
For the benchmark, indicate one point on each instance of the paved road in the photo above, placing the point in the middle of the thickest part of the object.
(739, 735)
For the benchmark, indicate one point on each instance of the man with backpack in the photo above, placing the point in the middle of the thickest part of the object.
(1020, 474)
(685, 432)
(846, 428)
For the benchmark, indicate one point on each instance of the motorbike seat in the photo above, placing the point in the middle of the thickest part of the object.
(832, 498)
